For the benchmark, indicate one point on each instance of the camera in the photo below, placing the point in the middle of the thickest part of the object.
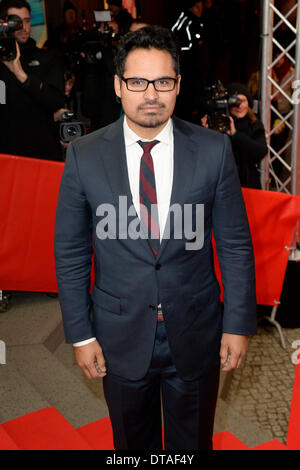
(88, 45)
(70, 129)
(217, 104)
(8, 49)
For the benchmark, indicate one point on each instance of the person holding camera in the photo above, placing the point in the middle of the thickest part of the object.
(62, 36)
(247, 135)
(120, 15)
(34, 83)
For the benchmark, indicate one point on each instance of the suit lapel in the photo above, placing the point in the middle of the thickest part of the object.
(184, 169)
(115, 162)
(117, 172)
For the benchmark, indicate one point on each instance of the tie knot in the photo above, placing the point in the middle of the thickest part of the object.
(148, 146)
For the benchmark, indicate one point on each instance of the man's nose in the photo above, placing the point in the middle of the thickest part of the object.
(151, 92)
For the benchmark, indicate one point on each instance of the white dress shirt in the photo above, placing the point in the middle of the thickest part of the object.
(163, 162)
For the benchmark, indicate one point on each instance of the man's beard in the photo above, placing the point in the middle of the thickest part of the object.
(152, 120)
(152, 123)
(22, 40)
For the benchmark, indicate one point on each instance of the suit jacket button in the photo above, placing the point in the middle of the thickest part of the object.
(157, 267)
(152, 307)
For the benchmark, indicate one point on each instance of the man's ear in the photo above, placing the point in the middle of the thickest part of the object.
(117, 85)
(178, 84)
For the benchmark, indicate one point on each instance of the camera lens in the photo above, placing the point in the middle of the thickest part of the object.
(72, 131)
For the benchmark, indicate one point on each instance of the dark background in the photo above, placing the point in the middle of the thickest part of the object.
(165, 12)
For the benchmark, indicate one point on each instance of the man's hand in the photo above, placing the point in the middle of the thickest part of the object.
(233, 350)
(57, 116)
(232, 129)
(204, 121)
(15, 66)
(65, 145)
(111, 24)
(91, 360)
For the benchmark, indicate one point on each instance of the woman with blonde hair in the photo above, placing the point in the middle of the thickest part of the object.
(247, 135)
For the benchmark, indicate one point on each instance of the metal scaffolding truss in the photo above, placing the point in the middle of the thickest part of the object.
(281, 167)
(280, 107)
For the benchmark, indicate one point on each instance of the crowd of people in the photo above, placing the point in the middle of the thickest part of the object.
(149, 355)
(74, 71)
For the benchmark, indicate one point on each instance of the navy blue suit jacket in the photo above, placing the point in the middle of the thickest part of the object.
(129, 280)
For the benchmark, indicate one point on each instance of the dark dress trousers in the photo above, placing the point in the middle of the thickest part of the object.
(130, 282)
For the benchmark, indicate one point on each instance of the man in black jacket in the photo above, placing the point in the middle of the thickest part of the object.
(34, 92)
(191, 34)
(120, 15)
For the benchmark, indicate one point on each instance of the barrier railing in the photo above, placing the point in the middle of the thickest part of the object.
(28, 197)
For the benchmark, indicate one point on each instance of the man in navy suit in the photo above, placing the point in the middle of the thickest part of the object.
(144, 196)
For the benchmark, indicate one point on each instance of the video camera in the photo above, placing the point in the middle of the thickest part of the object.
(87, 46)
(8, 50)
(217, 104)
(70, 129)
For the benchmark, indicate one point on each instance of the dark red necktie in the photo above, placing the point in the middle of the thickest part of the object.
(148, 198)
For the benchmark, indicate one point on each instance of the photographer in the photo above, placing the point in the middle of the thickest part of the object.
(61, 37)
(98, 99)
(34, 92)
(120, 15)
(247, 135)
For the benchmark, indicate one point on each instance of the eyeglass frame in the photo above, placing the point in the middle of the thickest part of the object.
(175, 79)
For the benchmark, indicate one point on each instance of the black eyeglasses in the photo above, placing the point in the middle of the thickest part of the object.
(141, 84)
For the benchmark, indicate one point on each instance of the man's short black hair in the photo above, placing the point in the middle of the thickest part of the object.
(149, 37)
(6, 4)
(68, 5)
(190, 3)
(117, 3)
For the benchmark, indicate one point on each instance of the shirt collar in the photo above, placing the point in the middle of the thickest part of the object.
(165, 135)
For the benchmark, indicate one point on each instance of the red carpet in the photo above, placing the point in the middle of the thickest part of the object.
(47, 429)
(92, 431)
(6, 441)
(225, 441)
(293, 437)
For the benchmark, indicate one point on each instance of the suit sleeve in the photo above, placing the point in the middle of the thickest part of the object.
(73, 253)
(234, 249)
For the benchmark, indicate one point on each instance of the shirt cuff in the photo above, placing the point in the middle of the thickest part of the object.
(83, 343)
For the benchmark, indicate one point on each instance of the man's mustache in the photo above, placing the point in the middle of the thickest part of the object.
(150, 103)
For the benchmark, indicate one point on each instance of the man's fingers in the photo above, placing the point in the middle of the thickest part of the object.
(100, 361)
(233, 350)
(233, 361)
(92, 370)
(100, 370)
(91, 360)
(223, 353)
(229, 359)
(95, 371)
(230, 363)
